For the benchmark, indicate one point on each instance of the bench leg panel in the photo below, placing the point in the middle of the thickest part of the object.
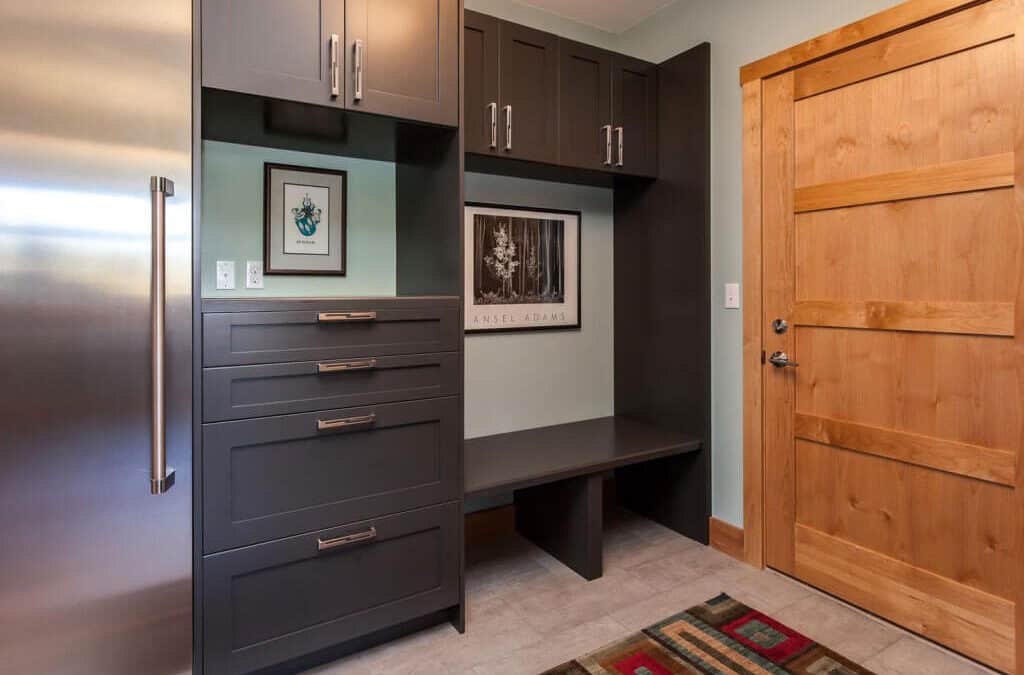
(565, 519)
(673, 491)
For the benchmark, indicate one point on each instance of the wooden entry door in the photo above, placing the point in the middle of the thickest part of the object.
(892, 249)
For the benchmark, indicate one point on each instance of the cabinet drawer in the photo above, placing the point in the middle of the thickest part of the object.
(265, 604)
(277, 476)
(342, 332)
(238, 392)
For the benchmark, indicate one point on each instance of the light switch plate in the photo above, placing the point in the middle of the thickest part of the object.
(254, 274)
(732, 296)
(225, 275)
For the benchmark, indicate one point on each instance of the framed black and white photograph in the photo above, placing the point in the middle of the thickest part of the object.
(522, 268)
(304, 220)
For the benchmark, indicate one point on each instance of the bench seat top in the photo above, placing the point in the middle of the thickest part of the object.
(520, 459)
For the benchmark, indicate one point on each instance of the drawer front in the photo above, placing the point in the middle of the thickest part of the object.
(238, 392)
(246, 338)
(274, 477)
(265, 604)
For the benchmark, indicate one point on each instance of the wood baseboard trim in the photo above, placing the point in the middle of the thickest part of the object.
(726, 538)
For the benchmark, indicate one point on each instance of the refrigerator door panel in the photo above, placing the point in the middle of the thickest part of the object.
(95, 572)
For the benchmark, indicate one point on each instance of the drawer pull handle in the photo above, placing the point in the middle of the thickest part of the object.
(328, 544)
(334, 317)
(346, 366)
(346, 422)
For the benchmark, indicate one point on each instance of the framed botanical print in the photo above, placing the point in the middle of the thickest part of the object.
(522, 268)
(304, 220)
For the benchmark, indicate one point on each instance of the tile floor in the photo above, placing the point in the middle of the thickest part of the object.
(528, 613)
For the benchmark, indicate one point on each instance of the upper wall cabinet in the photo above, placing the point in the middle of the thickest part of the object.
(404, 58)
(585, 115)
(635, 116)
(275, 49)
(531, 95)
(390, 57)
(511, 99)
(480, 79)
(528, 83)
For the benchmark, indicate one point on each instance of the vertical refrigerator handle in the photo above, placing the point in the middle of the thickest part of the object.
(161, 478)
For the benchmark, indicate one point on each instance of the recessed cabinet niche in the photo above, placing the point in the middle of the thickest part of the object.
(333, 53)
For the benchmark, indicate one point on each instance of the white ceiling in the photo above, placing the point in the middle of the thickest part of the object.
(614, 16)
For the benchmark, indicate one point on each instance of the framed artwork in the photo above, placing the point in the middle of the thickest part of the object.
(304, 220)
(522, 268)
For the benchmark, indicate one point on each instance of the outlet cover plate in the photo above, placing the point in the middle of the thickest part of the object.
(225, 275)
(254, 274)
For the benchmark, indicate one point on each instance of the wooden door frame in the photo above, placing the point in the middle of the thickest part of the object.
(752, 76)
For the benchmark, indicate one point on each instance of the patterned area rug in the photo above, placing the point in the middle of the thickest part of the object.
(721, 636)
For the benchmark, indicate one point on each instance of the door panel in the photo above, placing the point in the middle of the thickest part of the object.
(635, 112)
(529, 92)
(894, 252)
(480, 78)
(275, 49)
(585, 110)
(410, 58)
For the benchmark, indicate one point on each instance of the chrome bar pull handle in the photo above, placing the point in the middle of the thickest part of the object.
(607, 131)
(346, 422)
(345, 366)
(328, 544)
(508, 127)
(493, 108)
(335, 66)
(621, 133)
(161, 479)
(342, 317)
(357, 71)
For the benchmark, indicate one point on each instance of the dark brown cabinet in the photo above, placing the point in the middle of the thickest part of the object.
(511, 98)
(635, 116)
(404, 58)
(275, 49)
(585, 113)
(480, 78)
(389, 57)
(529, 94)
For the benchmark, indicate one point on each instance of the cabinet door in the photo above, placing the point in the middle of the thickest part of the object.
(635, 116)
(481, 83)
(403, 58)
(585, 111)
(529, 94)
(276, 49)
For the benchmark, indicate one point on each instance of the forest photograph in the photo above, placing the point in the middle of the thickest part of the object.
(518, 261)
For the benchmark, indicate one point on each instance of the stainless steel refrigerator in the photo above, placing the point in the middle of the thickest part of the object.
(95, 541)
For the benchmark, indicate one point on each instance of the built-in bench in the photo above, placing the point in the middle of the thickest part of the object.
(556, 474)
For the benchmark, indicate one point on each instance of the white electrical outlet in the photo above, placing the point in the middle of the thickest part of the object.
(732, 296)
(225, 275)
(254, 274)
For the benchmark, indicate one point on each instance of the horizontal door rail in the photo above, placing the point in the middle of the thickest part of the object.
(969, 620)
(964, 459)
(962, 318)
(982, 173)
(970, 28)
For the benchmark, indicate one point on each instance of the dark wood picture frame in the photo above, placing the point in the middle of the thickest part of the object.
(268, 266)
(578, 325)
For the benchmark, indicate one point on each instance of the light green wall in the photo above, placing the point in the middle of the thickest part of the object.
(740, 31)
(533, 379)
(232, 222)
